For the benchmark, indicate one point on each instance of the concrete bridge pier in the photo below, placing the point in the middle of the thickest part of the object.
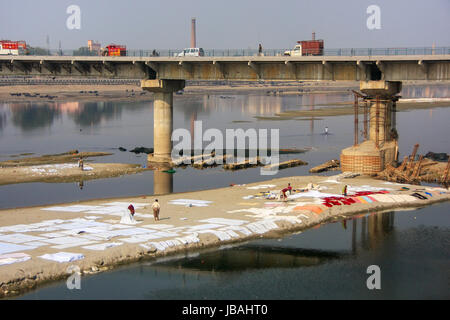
(381, 148)
(162, 116)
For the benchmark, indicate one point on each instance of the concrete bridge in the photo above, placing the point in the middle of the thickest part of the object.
(314, 68)
(165, 75)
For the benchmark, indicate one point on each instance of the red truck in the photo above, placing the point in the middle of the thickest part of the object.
(115, 50)
(312, 47)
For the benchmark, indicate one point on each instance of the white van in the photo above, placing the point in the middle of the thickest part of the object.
(192, 52)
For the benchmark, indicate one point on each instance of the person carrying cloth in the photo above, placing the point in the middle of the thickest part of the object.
(288, 188)
(156, 207)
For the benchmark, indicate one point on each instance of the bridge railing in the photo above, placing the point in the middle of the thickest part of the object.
(270, 52)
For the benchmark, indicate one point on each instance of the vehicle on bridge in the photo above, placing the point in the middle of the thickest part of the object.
(115, 50)
(192, 52)
(307, 48)
(8, 47)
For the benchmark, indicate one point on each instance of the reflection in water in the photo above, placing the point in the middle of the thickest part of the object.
(92, 113)
(2, 119)
(246, 258)
(162, 182)
(30, 116)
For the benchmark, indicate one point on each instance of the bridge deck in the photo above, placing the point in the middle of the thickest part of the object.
(404, 67)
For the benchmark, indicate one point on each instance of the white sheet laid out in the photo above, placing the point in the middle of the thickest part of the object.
(95, 237)
(92, 217)
(188, 239)
(330, 181)
(103, 246)
(261, 226)
(62, 256)
(365, 188)
(35, 244)
(231, 222)
(222, 235)
(65, 240)
(13, 258)
(231, 233)
(205, 226)
(190, 202)
(145, 237)
(19, 238)
(157, 245)
(262, 186)
(53, 234)
(158, 226)
(14, 228)
(127, 218)
(245, 231)
(12, 247)
(83, 242)
(312, 194)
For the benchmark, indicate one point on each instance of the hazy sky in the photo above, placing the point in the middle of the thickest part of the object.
(227, 23)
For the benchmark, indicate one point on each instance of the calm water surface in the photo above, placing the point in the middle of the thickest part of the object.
(45, 128)
(411, 247)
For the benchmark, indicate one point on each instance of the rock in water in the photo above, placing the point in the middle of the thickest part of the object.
(142, 150)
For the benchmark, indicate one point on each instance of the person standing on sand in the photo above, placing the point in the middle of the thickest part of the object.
(344, 191)
(260, 50)
(80, 163)
(288, 188)
(156, 207)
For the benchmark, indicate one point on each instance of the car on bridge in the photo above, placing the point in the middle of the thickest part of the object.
(192, 52)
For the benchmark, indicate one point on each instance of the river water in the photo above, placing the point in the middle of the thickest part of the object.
(412, 248)
(50, 128)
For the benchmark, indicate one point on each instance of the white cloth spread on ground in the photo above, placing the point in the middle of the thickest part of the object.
(62, 256)
(231, 222)
(13, 258)
(190, 202)
(127, 218)
(12, 247)
(19, 238)
(103, 246)
(312, 194)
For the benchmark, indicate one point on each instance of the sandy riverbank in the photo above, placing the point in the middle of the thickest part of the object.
(233, 215)
(62, 167)
(66, 172)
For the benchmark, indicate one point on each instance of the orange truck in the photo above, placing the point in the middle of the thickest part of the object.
(115, 50)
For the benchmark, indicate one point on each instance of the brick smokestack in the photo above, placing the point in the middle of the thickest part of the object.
(193, 39)
(313, 36)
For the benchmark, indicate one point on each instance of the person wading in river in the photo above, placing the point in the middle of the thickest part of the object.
(156, 207)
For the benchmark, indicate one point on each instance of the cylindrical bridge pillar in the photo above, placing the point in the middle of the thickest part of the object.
(162, 116)
(162, 126)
